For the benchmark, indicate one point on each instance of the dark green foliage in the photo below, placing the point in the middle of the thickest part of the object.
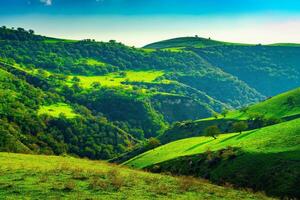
(259, 171)
(261, 67)
(240, 126)
(153, 143)
(22, 130)
(212, 131)
(124, 108)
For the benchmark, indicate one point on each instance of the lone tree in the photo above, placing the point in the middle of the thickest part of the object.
(224, 112)
(291, 101)
(215, 115)
(212, 131)
(240, 126)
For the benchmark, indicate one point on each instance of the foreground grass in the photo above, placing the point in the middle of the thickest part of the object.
(34, 177)
(282, 137)
(56, 109)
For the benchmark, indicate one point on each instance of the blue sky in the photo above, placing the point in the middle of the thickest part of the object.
(138, 22)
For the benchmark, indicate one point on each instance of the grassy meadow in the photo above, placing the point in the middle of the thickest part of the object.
(36, 176)
(115, 79)
(55, 110)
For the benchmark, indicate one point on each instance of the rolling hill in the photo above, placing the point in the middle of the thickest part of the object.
(184, 42)
(282, 107)
(35, 177)
(263, 159)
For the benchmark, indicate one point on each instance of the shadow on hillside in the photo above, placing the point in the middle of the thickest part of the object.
(278, 174)
(246, 134)
(197, 145)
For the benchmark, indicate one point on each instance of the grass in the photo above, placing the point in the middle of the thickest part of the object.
(283, 137)
(115, 79)
(35, 177)
(184, 42)
(91, 62)
(275, 107)
(55, 110)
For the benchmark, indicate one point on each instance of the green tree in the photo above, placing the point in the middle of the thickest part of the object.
(240, 126)
(212, 131)
(225, 112)
(153, 143)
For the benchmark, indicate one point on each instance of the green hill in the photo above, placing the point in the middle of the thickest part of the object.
(184, 42)
(263, 159)
(282, 107)
(34, 177)
(270, 70)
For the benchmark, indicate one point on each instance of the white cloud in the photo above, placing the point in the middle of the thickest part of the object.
(46, 2)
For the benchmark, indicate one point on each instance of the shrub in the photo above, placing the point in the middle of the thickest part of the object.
(69, 186)
(116, 179)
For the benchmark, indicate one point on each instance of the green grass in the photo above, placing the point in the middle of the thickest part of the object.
(286, 44)
(55, 40)
(275, 107)
(183, 42)
(51, 177)
(56, 109)
(91, 62)
(114, 79)
(282, 137)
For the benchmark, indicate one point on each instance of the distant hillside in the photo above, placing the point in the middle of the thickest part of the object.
(268, 69)
(184, 42)
(258, 159)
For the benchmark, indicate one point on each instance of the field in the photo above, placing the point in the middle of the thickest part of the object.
(115, 79)
(56, 109)
(36, 177)
(282, 137)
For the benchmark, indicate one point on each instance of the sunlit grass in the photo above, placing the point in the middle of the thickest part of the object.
(282, 137)
(56, 109)
(115, 79)
(52, 177)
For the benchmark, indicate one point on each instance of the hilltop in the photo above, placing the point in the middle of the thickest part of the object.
(184, 42)
(35, 177)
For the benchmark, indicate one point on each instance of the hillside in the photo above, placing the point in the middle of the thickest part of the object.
(37, 121)
(261, 67)
(99, 99)
(234, 157)
(183, 42)
(282, 107)
(64, 177)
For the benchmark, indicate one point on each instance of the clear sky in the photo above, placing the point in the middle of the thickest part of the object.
(139, 22)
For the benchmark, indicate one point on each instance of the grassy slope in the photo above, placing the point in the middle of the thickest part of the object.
(275, 107)
(282, 137)
(186, 42)
(114, 79)
(35, 177)
(55, 110)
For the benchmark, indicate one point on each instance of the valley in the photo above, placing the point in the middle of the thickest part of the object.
(218, 120)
